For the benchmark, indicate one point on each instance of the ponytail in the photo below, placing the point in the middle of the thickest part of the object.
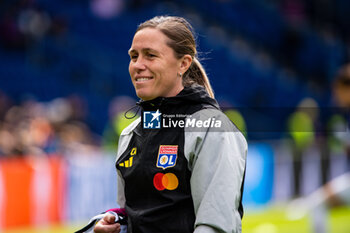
(197, 74)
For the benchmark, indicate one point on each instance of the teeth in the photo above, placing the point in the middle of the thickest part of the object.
(142, 79)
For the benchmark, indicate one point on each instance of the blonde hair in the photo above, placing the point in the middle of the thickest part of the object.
(181, 40)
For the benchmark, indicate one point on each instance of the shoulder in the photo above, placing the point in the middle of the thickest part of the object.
(126, 136)
(222, 129)
(213, 144)
(129, 129)
(216, 115)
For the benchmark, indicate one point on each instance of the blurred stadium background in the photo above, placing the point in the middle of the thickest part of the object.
(64, 87)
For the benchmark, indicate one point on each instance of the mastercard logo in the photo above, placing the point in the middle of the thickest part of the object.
(165, 181)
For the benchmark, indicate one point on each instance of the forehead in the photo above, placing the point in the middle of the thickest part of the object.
(149, 38)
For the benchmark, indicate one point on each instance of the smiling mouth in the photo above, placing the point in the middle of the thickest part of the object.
(143, 79)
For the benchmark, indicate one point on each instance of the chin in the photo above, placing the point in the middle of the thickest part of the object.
(145, 96)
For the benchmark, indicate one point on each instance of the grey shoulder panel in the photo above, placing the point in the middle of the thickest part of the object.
(126, 136)
(219, 123)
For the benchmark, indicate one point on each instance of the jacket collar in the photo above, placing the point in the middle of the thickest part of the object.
(194, 94)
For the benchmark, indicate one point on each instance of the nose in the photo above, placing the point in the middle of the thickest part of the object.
(139, 65)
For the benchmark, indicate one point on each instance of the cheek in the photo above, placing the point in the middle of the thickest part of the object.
(167, 70)
(170, 75)
(130, 68)
(131, 73)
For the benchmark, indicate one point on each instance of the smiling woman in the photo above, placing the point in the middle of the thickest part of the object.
(176, 178)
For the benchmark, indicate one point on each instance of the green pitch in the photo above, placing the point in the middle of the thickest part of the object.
(274, 220)
(271, 220)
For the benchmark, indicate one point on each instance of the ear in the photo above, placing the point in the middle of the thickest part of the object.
(185, 63)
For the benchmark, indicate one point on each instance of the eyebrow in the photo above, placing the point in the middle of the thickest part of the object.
(143, 50)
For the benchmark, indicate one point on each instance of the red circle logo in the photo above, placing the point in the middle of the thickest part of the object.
(167, 181)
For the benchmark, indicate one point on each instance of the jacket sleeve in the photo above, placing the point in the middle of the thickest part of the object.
(121, 195)
(217, 160)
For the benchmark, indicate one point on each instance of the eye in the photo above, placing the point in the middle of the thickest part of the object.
(151, 55)
(133, 56)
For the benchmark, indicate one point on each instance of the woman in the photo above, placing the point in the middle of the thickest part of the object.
(186, 173)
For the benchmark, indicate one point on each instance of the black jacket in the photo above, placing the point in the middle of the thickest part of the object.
(168, 179)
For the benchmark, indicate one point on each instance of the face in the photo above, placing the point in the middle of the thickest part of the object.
(153, 66)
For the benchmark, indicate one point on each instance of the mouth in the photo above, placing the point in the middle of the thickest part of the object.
(143, 79)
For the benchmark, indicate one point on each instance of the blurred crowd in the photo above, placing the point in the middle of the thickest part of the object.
(44, 128)
(59, 126)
